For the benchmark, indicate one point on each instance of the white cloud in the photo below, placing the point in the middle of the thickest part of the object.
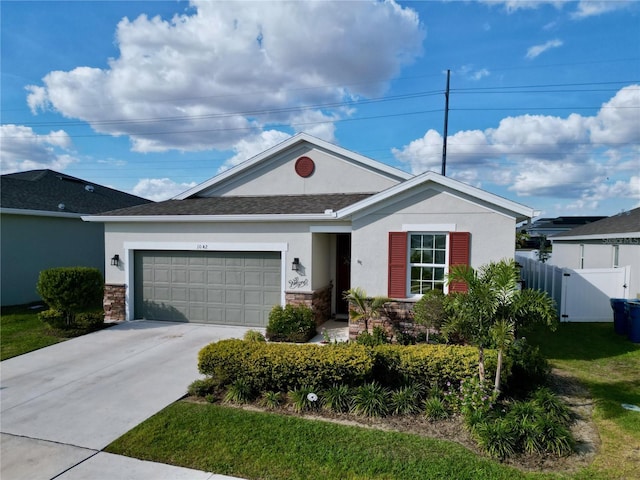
(471, 73)
(158, 189)
(252, 146)
(590, 8)
(582, 158)
(228, 70)
(537, 50)
(23, 149)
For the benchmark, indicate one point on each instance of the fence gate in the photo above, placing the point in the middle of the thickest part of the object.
(586, 293)
(580, 295)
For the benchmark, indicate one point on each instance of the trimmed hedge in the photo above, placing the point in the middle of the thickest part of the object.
(284, 367)
(291, 323)
(71, 289)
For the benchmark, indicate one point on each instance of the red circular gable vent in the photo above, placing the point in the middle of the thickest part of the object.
(305, 167)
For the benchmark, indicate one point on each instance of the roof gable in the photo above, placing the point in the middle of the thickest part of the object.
(53, 192)
(434, 180)
(275, 172)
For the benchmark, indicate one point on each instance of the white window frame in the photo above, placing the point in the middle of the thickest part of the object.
(445, 288)
(616, 256)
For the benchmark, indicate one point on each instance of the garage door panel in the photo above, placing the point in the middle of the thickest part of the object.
(235, 288)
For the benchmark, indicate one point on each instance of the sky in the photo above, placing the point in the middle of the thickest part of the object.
(155, 97)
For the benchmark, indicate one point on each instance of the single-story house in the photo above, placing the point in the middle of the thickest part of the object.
(40, 214)
(612, 242)
(303, 221)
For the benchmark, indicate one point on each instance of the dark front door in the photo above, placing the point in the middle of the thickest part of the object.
(343, 271)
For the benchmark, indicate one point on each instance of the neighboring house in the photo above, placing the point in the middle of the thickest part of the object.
(40, 218)
(300, 223)
(613, 242)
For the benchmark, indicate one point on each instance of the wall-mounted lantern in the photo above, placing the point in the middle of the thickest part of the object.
(115, 260)
(295, 266)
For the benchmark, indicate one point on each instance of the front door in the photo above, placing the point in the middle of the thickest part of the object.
(343, 271)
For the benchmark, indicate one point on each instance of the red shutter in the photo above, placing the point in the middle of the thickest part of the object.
(459, 254)
(397, 287)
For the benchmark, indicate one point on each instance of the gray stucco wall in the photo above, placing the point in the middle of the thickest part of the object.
(30, 244)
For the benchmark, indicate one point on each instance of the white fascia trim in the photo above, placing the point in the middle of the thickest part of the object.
(212, 218)
(429, 227)
(299, 138)
(438, 179)
(597, 236)
(205, 246)
(39, 213)
(330, 229)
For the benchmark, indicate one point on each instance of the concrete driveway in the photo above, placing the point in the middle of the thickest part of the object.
(61, 405)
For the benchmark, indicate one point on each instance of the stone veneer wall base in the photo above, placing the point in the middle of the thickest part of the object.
(114, 302)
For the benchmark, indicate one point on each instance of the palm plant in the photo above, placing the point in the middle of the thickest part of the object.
(362, 307)
(494, 307)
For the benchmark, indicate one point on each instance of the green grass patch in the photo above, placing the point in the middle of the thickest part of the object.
(609, 366)
(21, 331)
(256, 445)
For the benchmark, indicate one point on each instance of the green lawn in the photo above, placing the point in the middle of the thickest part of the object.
(269, 446)
(21, 331)
(256, 445)
(609, 366)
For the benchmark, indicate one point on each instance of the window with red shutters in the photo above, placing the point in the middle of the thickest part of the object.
(397, 286)
(459, 254)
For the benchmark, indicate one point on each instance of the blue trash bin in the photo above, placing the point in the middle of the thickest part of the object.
(634, 321)
(620, 321)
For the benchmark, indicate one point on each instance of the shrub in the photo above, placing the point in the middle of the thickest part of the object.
(337, 398)
(291, 323)
(476, 396)
(377, 337)
(71, 289)
(406, 400)
(435, 408)
(549, 402)
(79, 323)
(529, 370)
(497, 438)
(254, 336)
(202, 387)
(304, 398)
(239, 391)
(371, 400)
(284, 367)
(55, 319)
(426, 364)
(271, 399)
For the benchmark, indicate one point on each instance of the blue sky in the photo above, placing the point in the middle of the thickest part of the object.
(154, 97)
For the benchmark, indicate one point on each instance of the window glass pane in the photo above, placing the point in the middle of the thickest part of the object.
(415, 288)
(441, 242)
(416, 273)
(427, 256)
(438, 274)
(439, 286)
(415, 256)
(440, 257)
(427, 241)
(416, 241)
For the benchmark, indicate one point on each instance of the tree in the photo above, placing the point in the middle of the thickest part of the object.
(362, 307)
(494, 308)
(429, 310)
(544, 249)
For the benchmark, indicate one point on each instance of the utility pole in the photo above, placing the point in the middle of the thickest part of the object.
(446, 126)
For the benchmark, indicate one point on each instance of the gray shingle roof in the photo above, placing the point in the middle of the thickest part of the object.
(625, 222)
(258, 205)
(45, 190)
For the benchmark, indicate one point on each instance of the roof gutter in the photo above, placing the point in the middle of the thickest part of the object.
(39, 213)
(313, 217)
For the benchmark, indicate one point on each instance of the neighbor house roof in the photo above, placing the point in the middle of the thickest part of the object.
(624, 224)
(45, 192)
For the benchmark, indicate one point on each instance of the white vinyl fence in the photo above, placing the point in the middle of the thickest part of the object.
(580, 295)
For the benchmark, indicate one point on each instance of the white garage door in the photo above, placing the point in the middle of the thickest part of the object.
(233, 288)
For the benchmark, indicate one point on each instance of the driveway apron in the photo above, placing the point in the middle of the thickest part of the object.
(70, 400)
